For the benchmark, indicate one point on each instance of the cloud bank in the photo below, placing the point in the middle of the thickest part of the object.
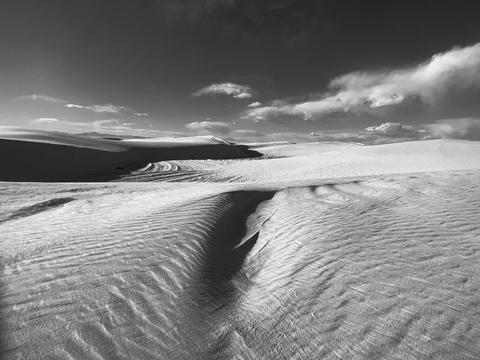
(231, 89)
(360, 91)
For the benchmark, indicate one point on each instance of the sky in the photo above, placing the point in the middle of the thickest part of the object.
(243, 69)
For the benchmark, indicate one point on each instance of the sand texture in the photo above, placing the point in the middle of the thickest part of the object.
(320, 251)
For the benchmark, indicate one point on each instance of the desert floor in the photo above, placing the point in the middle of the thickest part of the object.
(313, 251)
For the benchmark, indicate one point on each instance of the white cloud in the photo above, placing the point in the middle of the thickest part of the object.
(106, 108)
(462, 128)
(210, 126)
(46, 120)
(429, 82)
(38, 97)
(391, 129)
(141, 114)
(110, 126)
(74, 106)
(255, 104)
(231, 89)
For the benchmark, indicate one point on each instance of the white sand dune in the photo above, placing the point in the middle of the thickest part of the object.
(32, 155)
(330, 251)
(289, 164)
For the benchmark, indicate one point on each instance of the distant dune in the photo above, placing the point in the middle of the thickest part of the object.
(48, 156)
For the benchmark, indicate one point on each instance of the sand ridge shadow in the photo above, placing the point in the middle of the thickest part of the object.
(228, 248)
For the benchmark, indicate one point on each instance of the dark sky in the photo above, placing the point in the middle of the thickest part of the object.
(151, 57)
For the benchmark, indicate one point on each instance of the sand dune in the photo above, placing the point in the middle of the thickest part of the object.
(289, 164)
(313, 251)
(48, 156)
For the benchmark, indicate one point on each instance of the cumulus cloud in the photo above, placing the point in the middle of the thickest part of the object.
(359, 91)
(462, 128)
(255, 104)
(391, 129)
(43, 98)
(210, 126)
(231, 89)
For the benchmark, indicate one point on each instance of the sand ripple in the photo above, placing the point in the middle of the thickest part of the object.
(384, 267)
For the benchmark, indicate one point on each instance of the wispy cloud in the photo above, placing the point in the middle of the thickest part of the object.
(231, 89)
(429, 82)
(107, 108)
(210, 126)
(46, 120)
(38, 97)
(141, 114)
(110, 126)
(255, 104)
(74, 106)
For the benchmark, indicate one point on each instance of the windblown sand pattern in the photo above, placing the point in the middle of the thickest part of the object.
(382, 267)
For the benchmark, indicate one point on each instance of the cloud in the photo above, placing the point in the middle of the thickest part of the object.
(38, 97)
(454, 70)
(255, 104)
(462, 128)
(107, 108)
(388, 132)
(231, 89)
(109, 126)
(210, 126)
(141, 114)
(46, 120)
(391, 129)
(74, 106)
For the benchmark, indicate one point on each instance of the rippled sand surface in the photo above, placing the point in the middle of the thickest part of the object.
(369, 266)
